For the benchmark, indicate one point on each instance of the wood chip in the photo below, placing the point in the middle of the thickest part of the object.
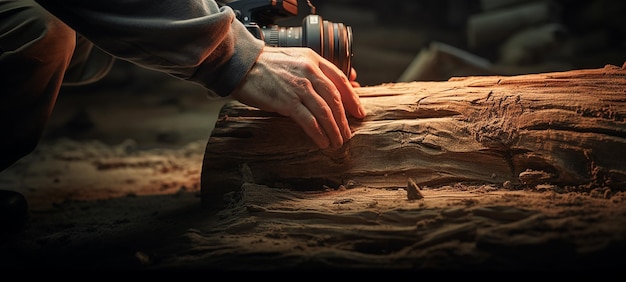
(413, 191)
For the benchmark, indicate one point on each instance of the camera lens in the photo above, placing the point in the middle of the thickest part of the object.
(332, 41)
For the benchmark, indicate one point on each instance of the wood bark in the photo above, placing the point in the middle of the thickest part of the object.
(562, 128)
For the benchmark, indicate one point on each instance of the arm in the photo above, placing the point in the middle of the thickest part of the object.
(198, 41)
(193, 40)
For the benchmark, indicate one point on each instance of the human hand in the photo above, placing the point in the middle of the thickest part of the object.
(299, 83)
(352, 78)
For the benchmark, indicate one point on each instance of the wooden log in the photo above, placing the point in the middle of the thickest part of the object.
(561, 128)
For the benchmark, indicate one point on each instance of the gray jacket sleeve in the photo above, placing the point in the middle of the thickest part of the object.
(194, 40)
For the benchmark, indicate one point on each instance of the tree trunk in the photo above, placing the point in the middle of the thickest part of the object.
(564, 128)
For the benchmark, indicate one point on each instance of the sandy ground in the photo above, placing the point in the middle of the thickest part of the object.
(101, 207)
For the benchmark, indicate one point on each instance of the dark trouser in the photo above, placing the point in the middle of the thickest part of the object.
(37, 52)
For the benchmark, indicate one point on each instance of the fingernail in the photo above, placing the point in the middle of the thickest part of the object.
(347, 134)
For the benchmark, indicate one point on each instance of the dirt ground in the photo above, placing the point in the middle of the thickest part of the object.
(118, 207)
(115, 185)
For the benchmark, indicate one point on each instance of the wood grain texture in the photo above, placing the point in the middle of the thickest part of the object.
(562, 128)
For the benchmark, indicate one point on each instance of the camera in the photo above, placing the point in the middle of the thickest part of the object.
(332, 41)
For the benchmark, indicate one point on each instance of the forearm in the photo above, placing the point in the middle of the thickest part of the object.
(193, 40)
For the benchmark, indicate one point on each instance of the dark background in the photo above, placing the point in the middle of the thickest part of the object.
(389, 34)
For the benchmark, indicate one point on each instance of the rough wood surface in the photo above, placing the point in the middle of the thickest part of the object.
(562, 128)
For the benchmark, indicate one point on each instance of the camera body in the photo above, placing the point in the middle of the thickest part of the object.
(332, 41)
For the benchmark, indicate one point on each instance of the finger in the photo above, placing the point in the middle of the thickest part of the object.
(305, 119)
(332, 103)
(353, 81)
(349, 97)
(352, 74)
(327, 109)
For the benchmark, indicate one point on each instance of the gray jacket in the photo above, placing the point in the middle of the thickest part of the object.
(195, 40)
